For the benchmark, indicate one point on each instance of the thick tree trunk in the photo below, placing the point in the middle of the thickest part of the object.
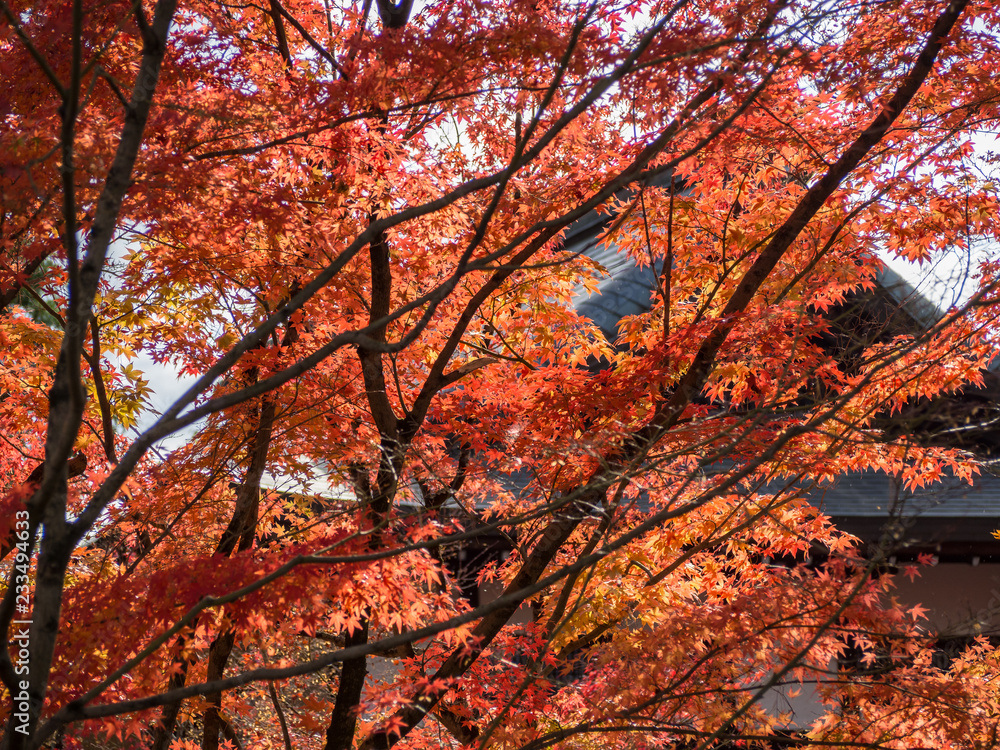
(343, 720)
(218, 657)
(377, 500)
(239, 535)
(66, 397)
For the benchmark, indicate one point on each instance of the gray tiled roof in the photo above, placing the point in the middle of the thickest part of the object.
(628, 288)
(872, 494)
(625, 291)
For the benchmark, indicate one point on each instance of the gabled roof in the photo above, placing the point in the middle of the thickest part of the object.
(628, 287)
(949, 511)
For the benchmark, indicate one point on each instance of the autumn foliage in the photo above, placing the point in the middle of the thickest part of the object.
(343, 224)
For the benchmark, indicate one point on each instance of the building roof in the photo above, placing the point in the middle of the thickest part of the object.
(861, 503)
(870, 494)
(628, 287)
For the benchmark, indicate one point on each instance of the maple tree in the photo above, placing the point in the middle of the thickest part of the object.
(345, 222)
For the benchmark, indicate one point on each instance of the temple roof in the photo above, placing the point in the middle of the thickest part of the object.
(947, 512)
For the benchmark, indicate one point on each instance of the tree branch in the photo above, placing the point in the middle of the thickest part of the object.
(394, 15)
